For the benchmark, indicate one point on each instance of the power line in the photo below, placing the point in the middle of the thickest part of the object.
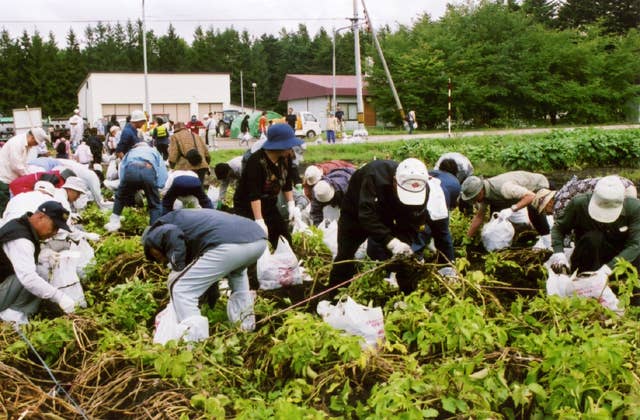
(160, 20)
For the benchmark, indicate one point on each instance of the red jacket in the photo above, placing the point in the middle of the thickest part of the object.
(195, 126)
(25, 183)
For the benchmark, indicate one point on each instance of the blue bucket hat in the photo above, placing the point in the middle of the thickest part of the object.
(281, 137)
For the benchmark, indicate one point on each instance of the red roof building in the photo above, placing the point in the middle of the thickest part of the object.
(314, 92)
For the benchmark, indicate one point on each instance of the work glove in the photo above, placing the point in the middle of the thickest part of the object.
(74, 217)
(90, 236)
(291, 206)
(397, 247)
(559, 263)
(63, 300)
(448, 272)
(261, 223)
(505, 213)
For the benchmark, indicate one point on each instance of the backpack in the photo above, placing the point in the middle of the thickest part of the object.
(193, 156)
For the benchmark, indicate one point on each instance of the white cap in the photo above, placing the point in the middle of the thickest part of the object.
(45, 187)
(323, 191)
(312, 175)
(411, 179)
(138, 115)
(113, 129)
(40, 135)
(607, 199)
(76, 111)
(75, 183)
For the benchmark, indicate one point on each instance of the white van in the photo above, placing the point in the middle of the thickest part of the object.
(307, 125)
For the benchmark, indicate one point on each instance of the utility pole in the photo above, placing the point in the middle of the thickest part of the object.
(241, 94)
(449, 108)
(147, 108)
(356, 41)
(383, 61)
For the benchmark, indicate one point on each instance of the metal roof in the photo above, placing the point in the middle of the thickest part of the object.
(297, 86)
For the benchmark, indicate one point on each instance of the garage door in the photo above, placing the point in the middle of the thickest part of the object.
(121, 111)
(175, 112)
(205, 108)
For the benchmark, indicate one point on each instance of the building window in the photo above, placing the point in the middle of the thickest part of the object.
(350, 111)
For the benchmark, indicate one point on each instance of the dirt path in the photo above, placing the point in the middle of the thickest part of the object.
(227, 143)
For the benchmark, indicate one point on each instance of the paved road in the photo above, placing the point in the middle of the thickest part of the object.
(235, 144)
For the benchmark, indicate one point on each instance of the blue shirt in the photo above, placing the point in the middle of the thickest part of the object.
(144, 153)
(45, 162)
(128, 139)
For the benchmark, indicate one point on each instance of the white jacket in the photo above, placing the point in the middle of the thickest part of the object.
(14, 156)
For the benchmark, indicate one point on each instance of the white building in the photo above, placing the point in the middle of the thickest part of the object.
(177, 96)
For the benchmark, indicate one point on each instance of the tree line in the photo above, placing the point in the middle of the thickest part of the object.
(510, 62)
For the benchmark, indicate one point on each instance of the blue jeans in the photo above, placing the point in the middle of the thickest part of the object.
(331, 136)
(138, 176)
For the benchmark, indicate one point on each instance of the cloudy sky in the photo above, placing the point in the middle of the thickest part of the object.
(257, 16)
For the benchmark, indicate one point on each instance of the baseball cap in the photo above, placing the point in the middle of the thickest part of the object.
(470, 188)
(138, 115)
(56, 212)
(323, 191)
(542, 198)
(312, 174)
(76, 183)
(607, 199)
(40, 135)
(411, 179)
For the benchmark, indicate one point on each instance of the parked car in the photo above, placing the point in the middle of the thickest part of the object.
(307, 125)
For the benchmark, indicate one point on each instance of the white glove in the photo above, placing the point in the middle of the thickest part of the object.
(559, 262)
(505, 213)
(261, 223)
(74, 217)
(291, 209)
(448, 272)
(92, 236)
(67, 304)
(397, 247)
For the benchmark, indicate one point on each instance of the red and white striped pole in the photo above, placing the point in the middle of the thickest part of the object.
(449, 109)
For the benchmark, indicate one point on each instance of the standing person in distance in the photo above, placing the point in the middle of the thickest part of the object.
(291, 119)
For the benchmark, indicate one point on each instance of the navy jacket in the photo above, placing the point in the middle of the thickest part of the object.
(372, 203)
(184, 235)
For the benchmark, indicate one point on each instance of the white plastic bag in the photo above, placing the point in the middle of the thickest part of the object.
(64, 275)
(330, 239)
(586, 285)
(280, 268)
(240, 309)
(497, 233)
(355, 319)
(112, 170)
(167, 327)
(85, 255)
(436, 204)
(521, 217)
(299, 226)
(16, 317)
(214, 195)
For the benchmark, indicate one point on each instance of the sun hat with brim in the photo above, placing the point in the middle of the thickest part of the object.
(75, 183)
(470, 188)
(411, 182)
(40, 135)
(58, 214)
(323, 191)
(312, 174)
(607, 200)
(281, 137)
(542, 198)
